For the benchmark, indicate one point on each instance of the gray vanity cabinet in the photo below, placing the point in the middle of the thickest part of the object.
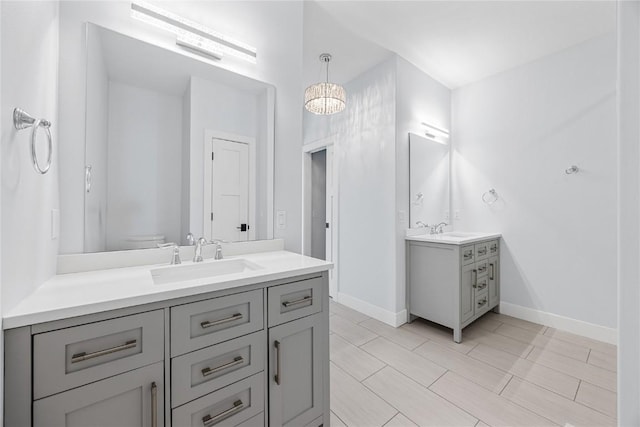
(245, 357)
(452, 285)
(132, 399)
(295, 372)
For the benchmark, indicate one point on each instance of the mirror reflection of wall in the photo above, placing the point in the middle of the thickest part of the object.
(428, 181)
(152, 121)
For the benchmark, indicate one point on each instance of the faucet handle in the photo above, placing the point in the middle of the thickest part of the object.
(191, 240)
(175, 257)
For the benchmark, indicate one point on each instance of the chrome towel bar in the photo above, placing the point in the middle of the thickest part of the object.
(23, 120)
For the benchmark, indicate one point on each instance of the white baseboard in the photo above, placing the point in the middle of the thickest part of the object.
(578, 327)
(385, 316)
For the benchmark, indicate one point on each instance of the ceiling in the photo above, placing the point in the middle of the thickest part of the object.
(456, 42)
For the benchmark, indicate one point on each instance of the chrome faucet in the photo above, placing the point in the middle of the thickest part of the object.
(190, 239)
(421, 224)
(175, 257)
(438, 229)
(197, 257)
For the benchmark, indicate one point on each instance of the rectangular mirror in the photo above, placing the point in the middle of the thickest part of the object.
(174, 145)
(429, 166)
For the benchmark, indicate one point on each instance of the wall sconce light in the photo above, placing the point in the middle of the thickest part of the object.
(191, 34)
(436, 134)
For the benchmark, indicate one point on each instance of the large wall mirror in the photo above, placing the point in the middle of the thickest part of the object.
(174, 145)
(429, 171)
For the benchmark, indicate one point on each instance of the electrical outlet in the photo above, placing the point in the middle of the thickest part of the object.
(447, 215)
(55, 224)
(456, 214)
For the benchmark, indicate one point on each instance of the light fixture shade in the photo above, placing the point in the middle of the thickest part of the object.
(325, 98)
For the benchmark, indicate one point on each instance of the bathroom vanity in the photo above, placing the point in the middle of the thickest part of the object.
(247, 346)
(452, 278)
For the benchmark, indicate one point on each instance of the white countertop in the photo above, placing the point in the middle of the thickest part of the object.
(449, 237)
(78, 294)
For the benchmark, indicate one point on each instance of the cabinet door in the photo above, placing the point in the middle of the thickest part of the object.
(468, 278)
(133, 399)
(494, 281)
(295, 372)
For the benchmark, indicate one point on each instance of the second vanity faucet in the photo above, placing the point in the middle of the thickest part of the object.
(203, 242)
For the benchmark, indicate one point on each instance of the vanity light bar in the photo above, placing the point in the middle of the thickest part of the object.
(436, 134)
(200, 45)
(189, 30)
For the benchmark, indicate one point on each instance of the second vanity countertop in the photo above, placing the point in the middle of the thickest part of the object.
(449, 237)
(78, 294)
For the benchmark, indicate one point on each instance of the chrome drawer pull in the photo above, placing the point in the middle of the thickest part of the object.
(482, 286)
(475, 280)
(288, 304)
(209, 324)
(208, 420)
(482, 302)
(483, 268)
(238, 360)
(468, 255)
(482, 251)
(154, 405)
(79, 357)
(491, 276)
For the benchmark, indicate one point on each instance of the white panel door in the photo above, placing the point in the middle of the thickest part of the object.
(229, 191)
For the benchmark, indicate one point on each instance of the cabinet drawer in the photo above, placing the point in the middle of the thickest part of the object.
(204, 323)
(481, 285)
(482, 267)
(203, 371)
(294, 300)
(494, 248)
(468, 255)
(482, 303)
(128, 399)
(482, 250)
(230, 406)
(72, 357)
(257, 421)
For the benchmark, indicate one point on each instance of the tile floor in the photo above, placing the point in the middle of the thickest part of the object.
(506, 372)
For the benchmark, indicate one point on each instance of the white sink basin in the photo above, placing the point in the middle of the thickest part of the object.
(458, 234)
(203, 270)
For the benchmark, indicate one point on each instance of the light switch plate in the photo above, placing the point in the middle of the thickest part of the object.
(447, 215)
(281, 220)
(456, 214)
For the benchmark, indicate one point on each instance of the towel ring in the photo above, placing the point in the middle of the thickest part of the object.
(23, 120)
(490, 197)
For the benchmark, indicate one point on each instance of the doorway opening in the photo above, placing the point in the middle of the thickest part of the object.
(320, 219)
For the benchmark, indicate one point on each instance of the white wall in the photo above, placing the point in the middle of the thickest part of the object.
(275, 28)
(29, 80)
(629, 214)
(517, 132)
(364, 135)
(144, 164)
(220, 108)
(419, 99)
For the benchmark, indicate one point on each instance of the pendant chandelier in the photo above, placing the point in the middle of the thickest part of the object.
(325, 98)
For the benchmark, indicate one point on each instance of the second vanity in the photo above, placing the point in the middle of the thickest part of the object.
(452, 278)
(243, 347)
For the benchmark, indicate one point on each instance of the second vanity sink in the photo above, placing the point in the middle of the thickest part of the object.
(201, 270)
